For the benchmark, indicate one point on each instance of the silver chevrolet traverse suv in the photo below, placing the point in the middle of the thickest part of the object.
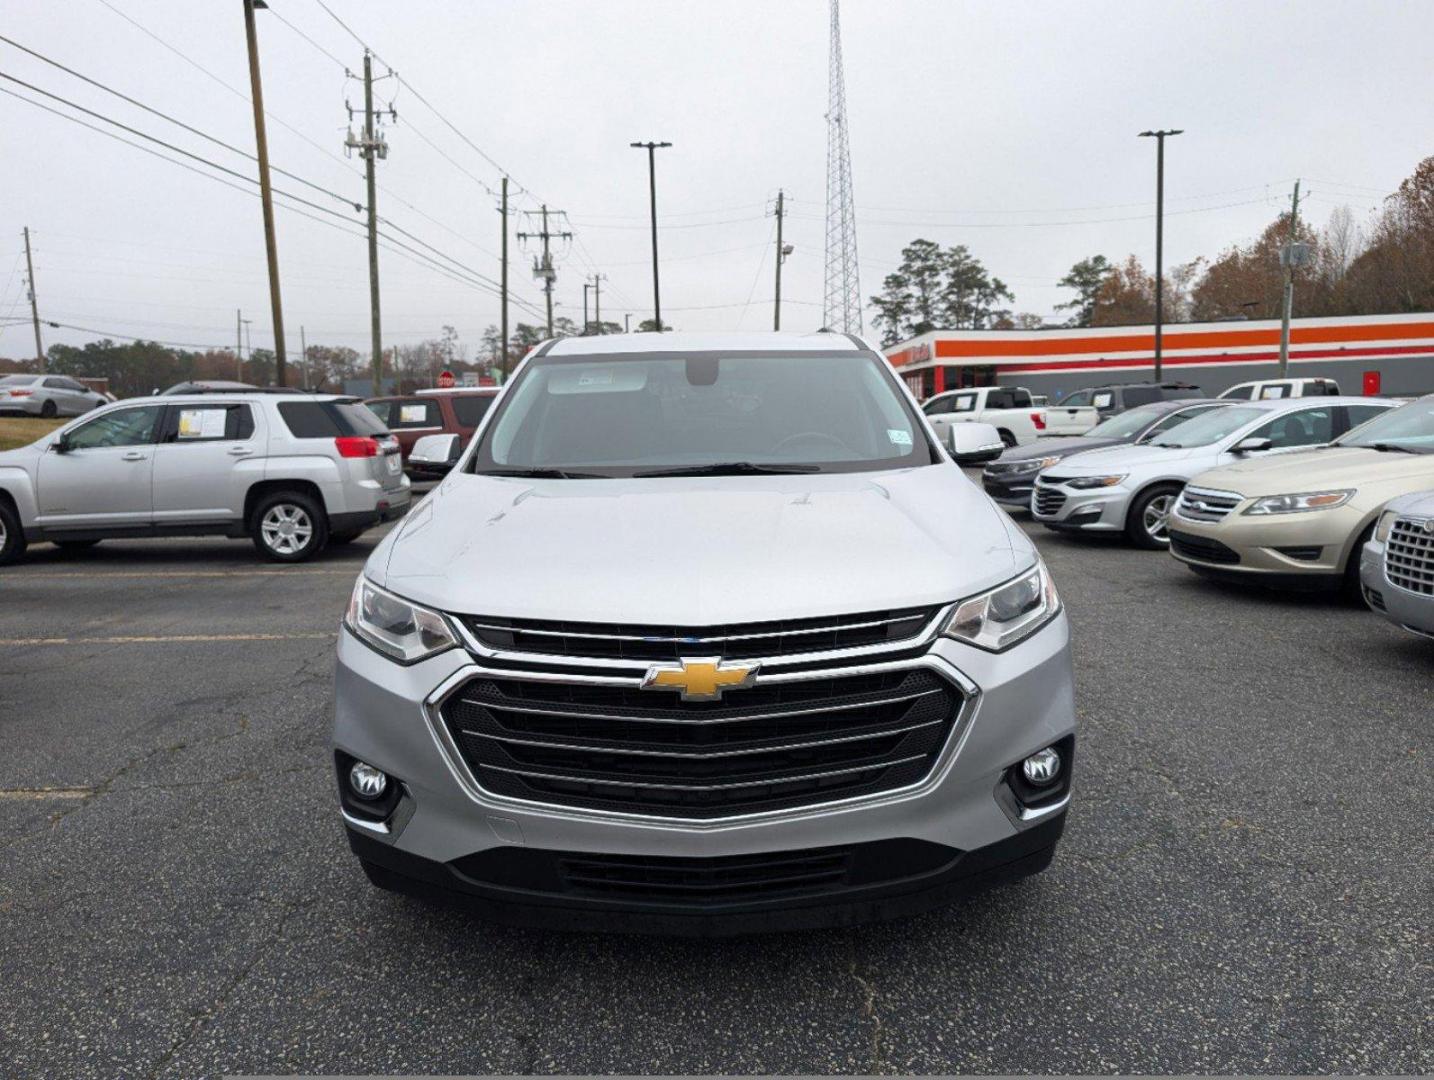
(292, 471)
(705, 635)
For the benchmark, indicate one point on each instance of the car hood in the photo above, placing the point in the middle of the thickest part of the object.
(1420, 504)
(1126, 457)
(1311, 470)
(697, 552)
(1058, 446)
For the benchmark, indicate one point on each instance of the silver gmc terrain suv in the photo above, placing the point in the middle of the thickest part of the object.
(293, 471)
(703, 634)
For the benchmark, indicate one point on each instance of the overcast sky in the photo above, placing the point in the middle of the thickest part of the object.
(1007, 127)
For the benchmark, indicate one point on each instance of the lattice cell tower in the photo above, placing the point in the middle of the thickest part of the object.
(842, 307)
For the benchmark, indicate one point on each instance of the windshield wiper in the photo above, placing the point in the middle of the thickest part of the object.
(1168, 445)
(544, 474)
(730, 468)
(1391, 448)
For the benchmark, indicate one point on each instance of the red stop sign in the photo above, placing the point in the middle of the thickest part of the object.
(445, 380)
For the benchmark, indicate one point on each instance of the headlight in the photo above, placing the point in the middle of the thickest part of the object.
(1295, 504)
(1084, 482)
(1386, 522)
(1034, 464)
(1008, 613)
(400, 630)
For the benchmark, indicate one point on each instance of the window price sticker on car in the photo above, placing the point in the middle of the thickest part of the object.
(412, 414)
(202, 423)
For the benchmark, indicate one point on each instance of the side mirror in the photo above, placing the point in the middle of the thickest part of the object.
(973, 443)
(61, 445)
(435, 450)
(1251, 446)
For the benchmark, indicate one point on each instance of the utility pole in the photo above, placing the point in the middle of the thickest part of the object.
(371, 148)
(783, 250)
(652, 148)
(543, 268)
(1288, 258)
(503, 317)
(266, 195)
(587, 323)
(304, 356)
(597, 301)
(627, 322)
(238, 344)
(34, 304)
(1159, 137)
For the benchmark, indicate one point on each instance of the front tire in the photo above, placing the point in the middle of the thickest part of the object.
(289, 526)
(49, 410)
(1148, 523)
(12, 537)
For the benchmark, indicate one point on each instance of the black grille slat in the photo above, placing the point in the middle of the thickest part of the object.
(617, 641)
(1048, 500)
(768, 746)
(1201, 549)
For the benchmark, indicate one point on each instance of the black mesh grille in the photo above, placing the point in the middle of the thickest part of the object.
(619, 641)
(1049, 500)
(1201, 549)
(771, 746)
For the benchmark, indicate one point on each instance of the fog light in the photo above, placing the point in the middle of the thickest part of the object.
(1040, 769)
(367, 782)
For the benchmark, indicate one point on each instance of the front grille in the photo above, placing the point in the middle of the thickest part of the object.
(775, 745)
(704, 883)
(1202, 504)
(1049, 500)
(670, 643)
(1201, 549)
(1409, 557)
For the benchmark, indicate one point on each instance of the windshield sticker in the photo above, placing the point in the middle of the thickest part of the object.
(201, 423)
(412, 414)
(897, 437)
(604, 380)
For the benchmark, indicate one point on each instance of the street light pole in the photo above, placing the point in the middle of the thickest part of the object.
(1159, 137)
(651, 148)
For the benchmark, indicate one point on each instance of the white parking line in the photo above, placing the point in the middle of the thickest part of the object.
(28, 794)
(167, 639)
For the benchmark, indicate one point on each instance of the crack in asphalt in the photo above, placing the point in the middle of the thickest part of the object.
(869, 1012)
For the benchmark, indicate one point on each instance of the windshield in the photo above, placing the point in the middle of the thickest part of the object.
(1127, 424)
(18, 380)
(1410, 427)
(1210, 427)
(637, 415)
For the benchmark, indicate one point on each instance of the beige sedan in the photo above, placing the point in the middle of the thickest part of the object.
(1299, 520)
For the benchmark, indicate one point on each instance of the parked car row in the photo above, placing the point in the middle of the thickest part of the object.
(1306, 491)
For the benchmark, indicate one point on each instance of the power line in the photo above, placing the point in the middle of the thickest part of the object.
(164, 116)
(1040, 224)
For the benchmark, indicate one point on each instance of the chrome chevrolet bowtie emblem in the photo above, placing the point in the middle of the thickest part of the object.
(702, 679)
(1429, 525)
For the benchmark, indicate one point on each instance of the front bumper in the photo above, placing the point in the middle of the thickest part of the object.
(1067, 509)
(1018, 702)
(1309, 549)
(1013, 493)
(1412, 611)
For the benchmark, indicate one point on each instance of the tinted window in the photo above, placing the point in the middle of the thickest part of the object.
(201, 423)
(328, 419)
(833, 412)
(57, 384)
(1080, 397)
(1141, 395)
(1000, 399)
(1021, 399)
(1241, 393)
(938, 407)
(124, 427)
(1125, 425)
(1308, 427)
(470, 408)
(414, 413)
(1358, 414)
(381, 409)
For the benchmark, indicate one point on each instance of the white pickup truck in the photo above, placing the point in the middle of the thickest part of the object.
(1009, 409)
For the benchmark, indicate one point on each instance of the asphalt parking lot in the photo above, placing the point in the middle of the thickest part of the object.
(1245, 883)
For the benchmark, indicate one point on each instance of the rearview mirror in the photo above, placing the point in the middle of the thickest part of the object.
(973, 443)
(435, 450)
(1251, 446)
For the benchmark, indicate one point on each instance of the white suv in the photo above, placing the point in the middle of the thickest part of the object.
(293, 471)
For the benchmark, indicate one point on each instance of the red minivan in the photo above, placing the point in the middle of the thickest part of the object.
(434, 412)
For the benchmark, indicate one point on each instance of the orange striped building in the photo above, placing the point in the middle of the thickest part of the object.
(1367, 354)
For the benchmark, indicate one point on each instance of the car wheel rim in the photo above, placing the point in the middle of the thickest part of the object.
(3, 535)
(287, 529)
(1157, 518)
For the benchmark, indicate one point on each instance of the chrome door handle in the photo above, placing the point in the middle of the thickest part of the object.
(240, 451)
(134, 455)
